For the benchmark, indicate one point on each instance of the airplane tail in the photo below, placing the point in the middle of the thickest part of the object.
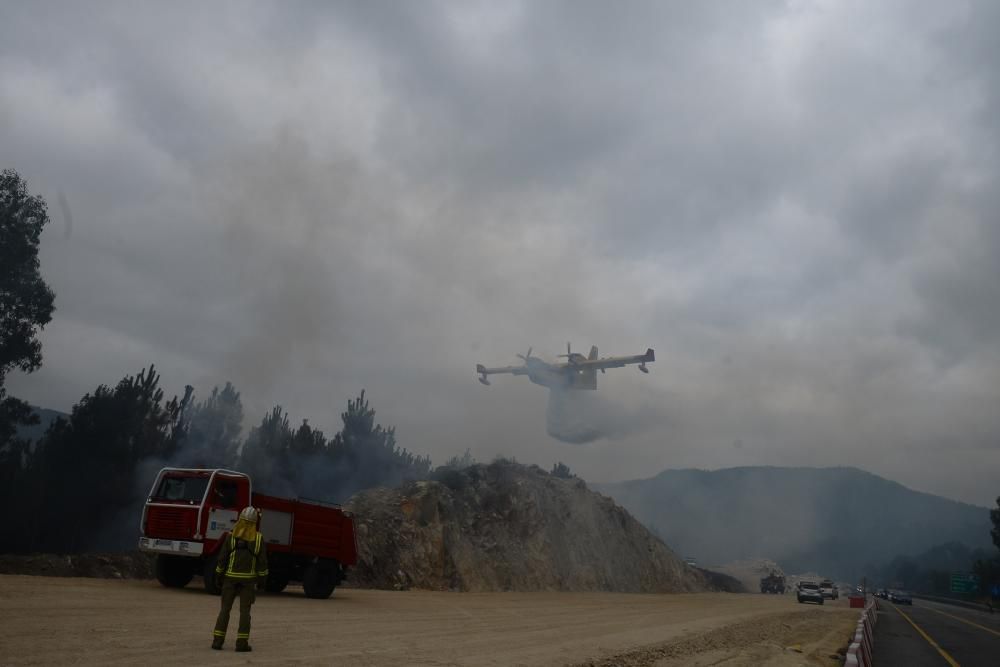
(593, 352)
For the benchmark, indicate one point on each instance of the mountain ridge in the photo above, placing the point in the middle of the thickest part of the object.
(796, 468)
(841, 520)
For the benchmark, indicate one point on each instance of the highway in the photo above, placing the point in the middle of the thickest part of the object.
(931, 633)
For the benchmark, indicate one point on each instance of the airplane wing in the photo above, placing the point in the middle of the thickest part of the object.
(513, 370)
(616, 362)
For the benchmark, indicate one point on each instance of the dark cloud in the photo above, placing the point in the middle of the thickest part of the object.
(792, 202)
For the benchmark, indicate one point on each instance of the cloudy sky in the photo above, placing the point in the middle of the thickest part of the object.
(795, 203)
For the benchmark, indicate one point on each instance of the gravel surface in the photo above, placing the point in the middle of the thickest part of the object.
(47, 620)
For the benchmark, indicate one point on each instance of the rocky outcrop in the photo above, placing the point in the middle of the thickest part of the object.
(132, 565)
(508, 527)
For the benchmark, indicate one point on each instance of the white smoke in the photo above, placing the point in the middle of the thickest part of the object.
(579, 417)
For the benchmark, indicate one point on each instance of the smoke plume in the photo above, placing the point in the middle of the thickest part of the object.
(579, 417)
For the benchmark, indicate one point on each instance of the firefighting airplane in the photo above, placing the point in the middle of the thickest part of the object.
(578, 372)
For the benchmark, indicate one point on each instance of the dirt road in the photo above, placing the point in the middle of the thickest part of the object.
(45, 621)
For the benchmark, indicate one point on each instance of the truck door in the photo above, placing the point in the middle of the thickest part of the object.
(225, 500)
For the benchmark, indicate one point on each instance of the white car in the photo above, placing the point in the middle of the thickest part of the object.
(809, 592)
(828, 589)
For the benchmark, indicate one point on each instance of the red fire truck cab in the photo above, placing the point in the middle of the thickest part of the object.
(188, 511)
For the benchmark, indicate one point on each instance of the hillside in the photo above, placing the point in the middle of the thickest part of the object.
(508, 527)
(838, 521)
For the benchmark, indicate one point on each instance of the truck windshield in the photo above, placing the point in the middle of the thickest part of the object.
(186, 489)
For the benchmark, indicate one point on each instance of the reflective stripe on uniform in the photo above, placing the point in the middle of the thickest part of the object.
(232, 554)
(256, 552)
(262, 573)
(243, 635)
(252, 574)
(218, 633)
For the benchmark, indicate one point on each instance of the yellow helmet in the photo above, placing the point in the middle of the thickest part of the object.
(250, 514)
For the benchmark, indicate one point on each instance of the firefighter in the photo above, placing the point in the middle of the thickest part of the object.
(242, 564)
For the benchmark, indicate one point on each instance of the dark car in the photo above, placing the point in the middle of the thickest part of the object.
(809, 592)
(900, 597)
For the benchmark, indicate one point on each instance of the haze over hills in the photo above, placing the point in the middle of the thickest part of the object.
(837, 521)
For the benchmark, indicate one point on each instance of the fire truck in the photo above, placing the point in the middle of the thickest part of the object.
(189, 510)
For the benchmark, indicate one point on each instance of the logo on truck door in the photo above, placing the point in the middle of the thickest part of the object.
(219, 521)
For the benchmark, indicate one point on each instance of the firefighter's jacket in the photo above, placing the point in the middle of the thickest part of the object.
(239, 559)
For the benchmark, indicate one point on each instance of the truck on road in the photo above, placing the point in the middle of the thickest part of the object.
(773, 583)
(188, 510)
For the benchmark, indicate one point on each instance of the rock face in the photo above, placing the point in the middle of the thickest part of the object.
(508, 527)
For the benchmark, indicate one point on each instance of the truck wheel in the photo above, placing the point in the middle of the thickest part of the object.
(276, 582)
(213, 582)
(320, 579)
(173, 571)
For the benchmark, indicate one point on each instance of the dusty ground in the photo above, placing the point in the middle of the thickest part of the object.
(100, 622)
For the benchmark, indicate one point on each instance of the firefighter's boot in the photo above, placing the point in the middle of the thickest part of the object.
(217, 643)
(243, 646)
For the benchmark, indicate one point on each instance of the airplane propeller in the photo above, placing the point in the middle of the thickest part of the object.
(525, 357)
(569, 353)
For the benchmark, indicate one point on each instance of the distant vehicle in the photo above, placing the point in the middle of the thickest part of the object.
(772, 583)
(829, 589)
(578, 372)
(690, 562)
(809, 592)
(900, 597)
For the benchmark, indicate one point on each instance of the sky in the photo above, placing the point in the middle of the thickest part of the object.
(794, 203)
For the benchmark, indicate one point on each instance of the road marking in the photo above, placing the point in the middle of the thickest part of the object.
(944, 654)
(959, 618)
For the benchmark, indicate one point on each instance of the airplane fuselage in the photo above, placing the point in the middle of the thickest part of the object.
(549, 378)
(560, 376)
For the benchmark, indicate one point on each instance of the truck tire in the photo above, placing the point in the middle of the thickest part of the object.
(276, 582)
(212, 581)
(174, 571)
(320, 579)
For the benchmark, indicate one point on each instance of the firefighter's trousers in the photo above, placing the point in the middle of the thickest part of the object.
(231, 589)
